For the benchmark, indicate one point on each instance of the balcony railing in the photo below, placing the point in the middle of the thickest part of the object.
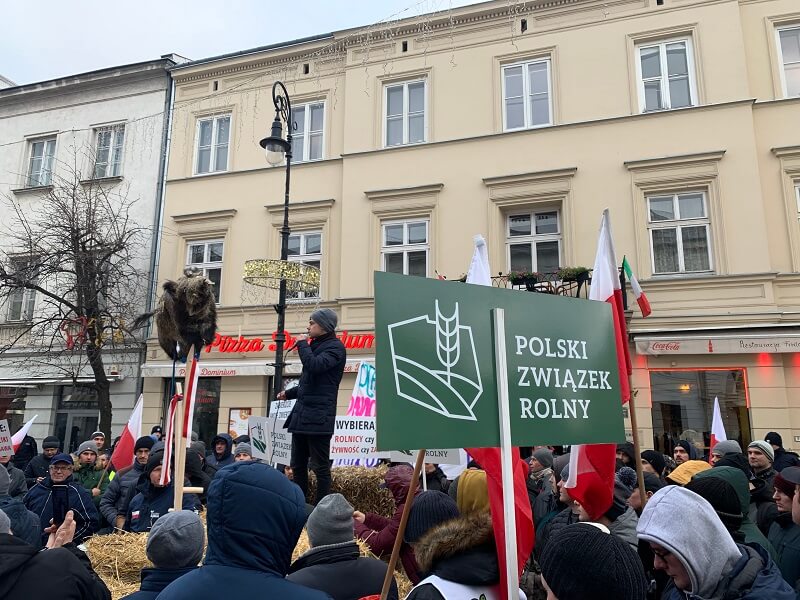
(553, 283)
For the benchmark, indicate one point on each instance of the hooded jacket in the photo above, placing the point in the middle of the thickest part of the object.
(255, 517)
(340, 571)
(39, 466)
(785, 459)
(323, 361)
(624, 527)
(27, 449)
(226, 458)
(87, 520)
(737, 479)
(380, 532)
(58, 574)
(784, 536)
(24, 523)
(460, 551)
(155, 580)
(115, 499)
(18, 487)
(89, 476)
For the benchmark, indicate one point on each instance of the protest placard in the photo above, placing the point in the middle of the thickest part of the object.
(6, 448)
(269, 439)
(439, 457)
(354, 437)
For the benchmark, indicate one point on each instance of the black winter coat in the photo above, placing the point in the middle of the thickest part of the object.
(58, 574)
(24, 523)
(561, 520)
(340, 571)
(785, 459)
(26, 451)
(314, 413)
(38, 467)
(436, 481)
(18, 487)
(115, 499)
(87, 519)
(155, 580)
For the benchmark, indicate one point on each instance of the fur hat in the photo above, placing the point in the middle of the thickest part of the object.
(331, 522)
(325, 318)
(765, 448)
(176, 540)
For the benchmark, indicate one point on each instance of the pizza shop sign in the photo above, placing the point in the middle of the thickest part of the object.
(229, 344)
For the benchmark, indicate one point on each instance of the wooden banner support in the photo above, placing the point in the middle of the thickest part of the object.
(398, 542)
(179, 453)
(636, 447)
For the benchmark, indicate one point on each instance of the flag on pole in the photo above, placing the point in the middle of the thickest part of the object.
(123, 452)
(17, 438)
(591, 477)
(641, 299)
(606, 287)
(168, 435)
(717, 428)
(190, 396)
(490, 460)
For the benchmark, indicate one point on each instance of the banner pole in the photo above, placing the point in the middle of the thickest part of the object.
(506, 449)
(398, 541)
(180, 441)
(636, 448)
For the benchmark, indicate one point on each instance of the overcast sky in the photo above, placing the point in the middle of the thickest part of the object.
(51, 38)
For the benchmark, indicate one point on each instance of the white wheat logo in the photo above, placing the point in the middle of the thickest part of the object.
(453, 386)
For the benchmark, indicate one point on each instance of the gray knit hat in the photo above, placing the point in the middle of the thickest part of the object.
(325, 318)
(544, 456)
(5, 482)
(176, 541)
(5, 522)
(243, 448)
(727, 447)
(88, 445)
(764, 447)
(331, 522)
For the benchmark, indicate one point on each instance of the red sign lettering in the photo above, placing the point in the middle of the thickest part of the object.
(227, 343)
(230, 344)
(666, 346)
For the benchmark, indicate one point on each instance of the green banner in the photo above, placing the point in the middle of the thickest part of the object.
(435, 366)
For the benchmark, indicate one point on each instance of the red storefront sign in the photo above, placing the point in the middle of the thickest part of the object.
(241, 344)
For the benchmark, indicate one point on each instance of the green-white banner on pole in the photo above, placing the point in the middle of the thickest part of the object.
(435, 366)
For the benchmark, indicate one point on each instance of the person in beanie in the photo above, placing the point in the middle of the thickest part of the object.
(700, 556)
(88, 474)
(18, 487)
(626, 454)
(175, 546)
(784, 534)
(723, 499)
(585, 561)
(222, 451)
(311, 421)
(37, 468)
(721, 449)
(540, 463)
(782, 458)
(684, 451)
(62, 572)
(99, 439)
(652, 483)
(114, 503)
(653, 462)
(255, 517)
(334, 564)
(156, 433)
(25, 453)
(24, 523)
(243, 452)
(762, 476)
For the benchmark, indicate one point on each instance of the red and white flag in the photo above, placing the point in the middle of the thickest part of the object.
(591, 477)
(17, 438)
(190, 394)
(641, 299)
(123, 452)
(168, 435)
(717, 428)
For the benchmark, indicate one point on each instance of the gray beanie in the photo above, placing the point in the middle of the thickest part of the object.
(544, 456)
(176, 541)
(764, 447)
(88, 445)
(325, 318)
(727, 447)
(331, 522)
(243, 447)
(5, 522)
(5, 482)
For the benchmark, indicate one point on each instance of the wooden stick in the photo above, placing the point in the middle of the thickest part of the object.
(398, 541)
(177, 438)
(636, 448)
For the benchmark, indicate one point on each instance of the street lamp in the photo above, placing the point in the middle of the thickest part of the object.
(276, 148)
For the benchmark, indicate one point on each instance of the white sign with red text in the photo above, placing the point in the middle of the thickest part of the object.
(6, 447)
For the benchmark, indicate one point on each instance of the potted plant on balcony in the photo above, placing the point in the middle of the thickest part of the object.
(579, 274)
(526, 278)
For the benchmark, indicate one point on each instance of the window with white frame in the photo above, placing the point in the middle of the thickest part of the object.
(527, 95)
(21, 300)
(666, 75)
(405, 111)
(308, 138)
(680, 240)
(108, 151)
(405, 246)
(207, 257)
(40, 166)
(213, 136)
(533, 241)
(306, 247)
(789, 46)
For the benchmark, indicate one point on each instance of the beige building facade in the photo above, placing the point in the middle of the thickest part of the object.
(522, 123)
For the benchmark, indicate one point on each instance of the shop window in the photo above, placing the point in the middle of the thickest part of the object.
(206, 408)
(683, 404)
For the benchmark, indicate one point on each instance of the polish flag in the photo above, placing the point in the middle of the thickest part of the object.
(606, 287)
(717, 428)
(641, 299)
(123, 452)
(591, 477)
(17, 438)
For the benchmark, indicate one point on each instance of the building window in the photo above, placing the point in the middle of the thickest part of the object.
(306, 248)
(40, 167)
(679, 233)
(683, 404)
(527, 95)
(207, 257)
(21, 300)
(404, 247)
(666, 75)
(406, 114)
(108, 154)
(789, 44)
(533, 240)
(308, 138)
(213, 135)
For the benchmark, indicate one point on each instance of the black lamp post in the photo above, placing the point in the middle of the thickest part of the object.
(277, 148)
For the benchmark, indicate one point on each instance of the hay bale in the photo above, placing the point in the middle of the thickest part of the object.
(360, 486)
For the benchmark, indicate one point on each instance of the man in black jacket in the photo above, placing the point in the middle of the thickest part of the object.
(312, 418)
(39, 466)
(115, 500)
(783, 458)
(26, 451)
(334, 563)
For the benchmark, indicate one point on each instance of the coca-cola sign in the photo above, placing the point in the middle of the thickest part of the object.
(665, 346)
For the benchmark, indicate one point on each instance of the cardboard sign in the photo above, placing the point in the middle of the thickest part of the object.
(6, 448)
(438, 457)
(269, 439)
(354, 437)
(282, 407)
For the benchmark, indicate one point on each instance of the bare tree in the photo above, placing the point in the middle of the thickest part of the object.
(73, 277)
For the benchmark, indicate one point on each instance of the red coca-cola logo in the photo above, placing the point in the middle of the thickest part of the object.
(666, 346)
